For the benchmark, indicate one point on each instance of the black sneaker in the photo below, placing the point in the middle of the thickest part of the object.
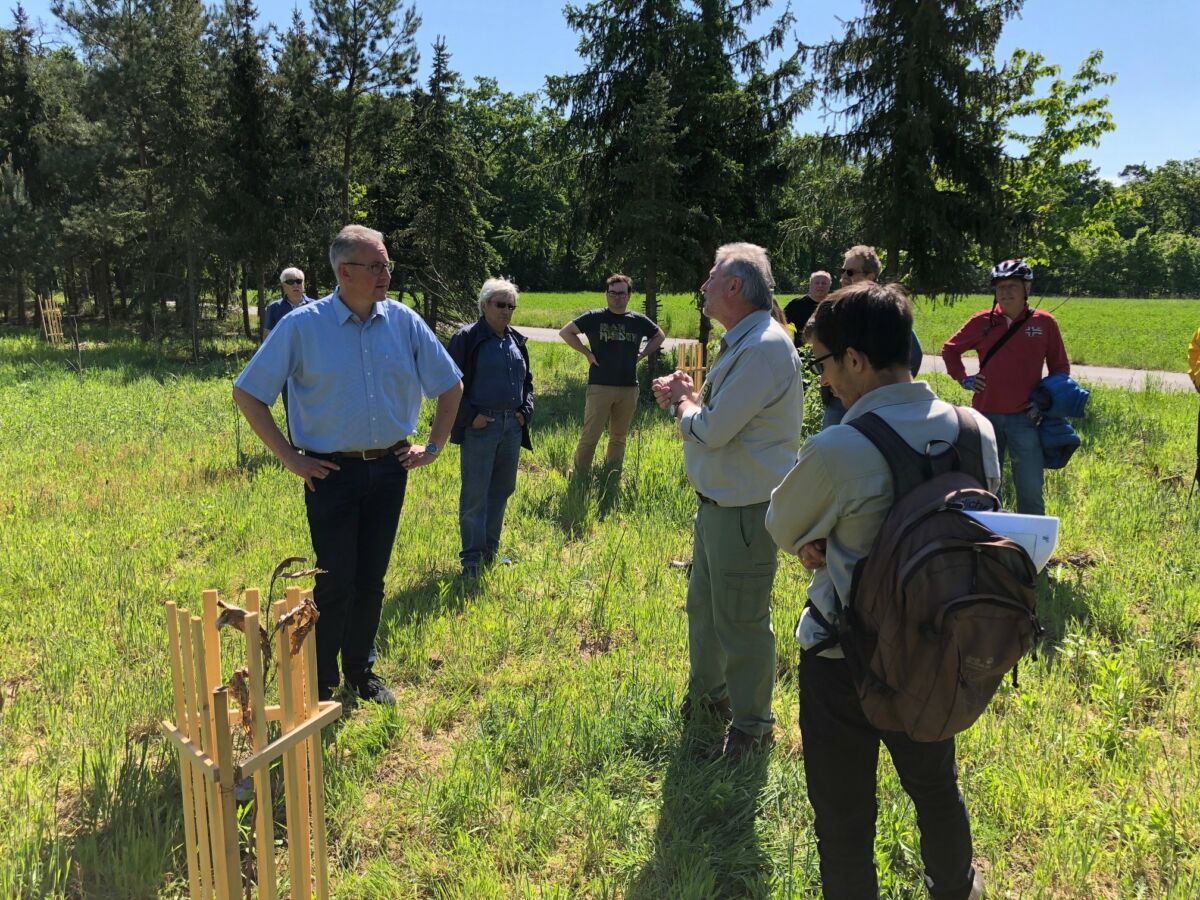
(325, 692)
(370, 687)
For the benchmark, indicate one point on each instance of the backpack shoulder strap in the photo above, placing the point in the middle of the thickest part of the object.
(909, 468)
(969, 445)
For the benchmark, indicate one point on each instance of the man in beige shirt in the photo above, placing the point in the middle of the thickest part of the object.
(828, 511)
(740, 434)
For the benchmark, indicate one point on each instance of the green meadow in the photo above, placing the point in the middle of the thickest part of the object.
(1128, 334)
(535, 751)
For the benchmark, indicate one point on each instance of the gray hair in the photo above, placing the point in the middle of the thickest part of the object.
(347, 240)
(494, 287)
(820, 273)
(290, 272)
(749, 263)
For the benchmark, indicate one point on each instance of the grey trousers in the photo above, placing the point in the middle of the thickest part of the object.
(731, 645)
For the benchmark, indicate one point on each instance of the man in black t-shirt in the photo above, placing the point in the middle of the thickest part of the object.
(800, 310)
(614, 349)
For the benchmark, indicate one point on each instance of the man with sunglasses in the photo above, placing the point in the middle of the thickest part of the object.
(861, 263)
(291, 281)
(828, 511)
(613, 350)
(357, 365)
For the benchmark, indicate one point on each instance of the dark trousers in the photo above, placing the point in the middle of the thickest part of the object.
(841, 751)
(352, 518)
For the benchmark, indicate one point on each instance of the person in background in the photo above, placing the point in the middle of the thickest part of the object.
(860, 264)
(1013, 343)
(492, 423)
(613, 350)
(291, 281)
(800, 310)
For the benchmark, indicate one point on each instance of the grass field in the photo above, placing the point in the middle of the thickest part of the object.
(1129, 334)
(534, 751)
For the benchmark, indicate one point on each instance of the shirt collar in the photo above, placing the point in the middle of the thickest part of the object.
(344, 312)
(491, 332)
(890, 395)
(744, 327)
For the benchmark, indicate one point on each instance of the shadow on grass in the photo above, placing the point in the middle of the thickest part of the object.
(706, 844)
(434, 594)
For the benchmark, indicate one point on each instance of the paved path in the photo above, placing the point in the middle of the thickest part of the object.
(1132, 379)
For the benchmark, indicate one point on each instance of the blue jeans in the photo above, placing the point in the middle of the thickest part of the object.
(352, 519)
(1017, 435)
(488, 463)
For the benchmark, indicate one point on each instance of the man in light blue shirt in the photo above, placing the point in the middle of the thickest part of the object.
(356, 365)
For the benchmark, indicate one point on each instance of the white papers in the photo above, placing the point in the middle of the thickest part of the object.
(1037, 534)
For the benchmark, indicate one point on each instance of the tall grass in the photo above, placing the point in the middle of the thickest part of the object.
(534, 750)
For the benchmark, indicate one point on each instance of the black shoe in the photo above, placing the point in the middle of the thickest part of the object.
(738, 743)
(370, 687)
(720, 709)
(325, 693)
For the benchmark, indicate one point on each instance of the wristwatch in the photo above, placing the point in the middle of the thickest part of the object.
(431, 448)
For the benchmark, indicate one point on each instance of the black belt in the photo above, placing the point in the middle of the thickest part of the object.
(367, 455)
(703, 499)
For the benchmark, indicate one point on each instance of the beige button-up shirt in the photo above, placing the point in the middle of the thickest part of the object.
(841, 490)
(743, 439)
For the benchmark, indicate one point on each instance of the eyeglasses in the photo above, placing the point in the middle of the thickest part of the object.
(499, 305)
(613, 293)
(850, 272)
(293, 281)
(817, 364)
(375, 268)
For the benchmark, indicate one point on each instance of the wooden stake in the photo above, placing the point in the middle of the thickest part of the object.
(190, 725)
(212, 657)
(231, 867)
(303, 759)
(297, 828)
(317, 780)
(265, 819)
(185, 767)
(207, 731)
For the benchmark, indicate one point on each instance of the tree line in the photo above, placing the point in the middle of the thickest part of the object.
(169, 159)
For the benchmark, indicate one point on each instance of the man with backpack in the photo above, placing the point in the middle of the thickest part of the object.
(1012, 341)
(830, 510)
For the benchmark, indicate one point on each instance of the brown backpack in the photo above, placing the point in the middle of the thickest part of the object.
(942, 607)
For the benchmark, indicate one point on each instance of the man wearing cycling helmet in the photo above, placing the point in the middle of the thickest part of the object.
(1012, 342)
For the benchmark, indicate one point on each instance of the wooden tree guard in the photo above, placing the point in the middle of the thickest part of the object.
(691, 361)
(51, 319)
(208, 771)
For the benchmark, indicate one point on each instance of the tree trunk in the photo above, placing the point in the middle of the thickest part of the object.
(246, 302)
(193, 302)
(19, 295)
(262, 300)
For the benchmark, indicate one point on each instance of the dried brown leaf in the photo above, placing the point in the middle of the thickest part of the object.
(284, 564)
(301, 620)
(233, 616)
(302, 573)
(239, 687)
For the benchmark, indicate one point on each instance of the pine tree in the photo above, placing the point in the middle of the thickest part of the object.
(912, 80)
(368, 47)
(444, 250)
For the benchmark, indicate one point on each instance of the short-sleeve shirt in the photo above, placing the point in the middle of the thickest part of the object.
(615, 341)
(352, 385)
(277, 309)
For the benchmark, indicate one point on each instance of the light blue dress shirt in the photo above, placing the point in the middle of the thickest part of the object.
(352, 385)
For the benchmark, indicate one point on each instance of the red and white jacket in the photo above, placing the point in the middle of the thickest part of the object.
(1016, 369)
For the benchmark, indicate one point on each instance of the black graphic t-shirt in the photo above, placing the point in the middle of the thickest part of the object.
(615, 341)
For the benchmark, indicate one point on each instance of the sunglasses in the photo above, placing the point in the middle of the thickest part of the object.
(500, 305)
(293, 281)
(850, 272)
(817, 364)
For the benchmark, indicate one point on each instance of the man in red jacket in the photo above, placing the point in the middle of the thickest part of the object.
(1012, 342)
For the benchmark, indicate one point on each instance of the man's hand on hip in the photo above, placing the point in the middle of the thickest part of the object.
(309, 467)
(812, 554)
(414, 456)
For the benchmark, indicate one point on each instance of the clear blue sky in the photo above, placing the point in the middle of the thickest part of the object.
(1152, 47)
